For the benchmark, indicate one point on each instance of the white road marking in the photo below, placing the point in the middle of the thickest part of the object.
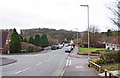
(18, 72)
(68, 57)
(39, 63)
(37, 55)
(23, 70)
(78, 67)
(49, 58)
(70, 62)
(63, 72)
(67, 62)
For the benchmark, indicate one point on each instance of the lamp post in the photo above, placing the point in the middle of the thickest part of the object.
(88, 34)
(77, 36)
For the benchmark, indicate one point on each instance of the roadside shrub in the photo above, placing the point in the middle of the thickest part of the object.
(37, 49)
(110, 57)
(30, 48)
(94, 60)
(95, 52)
(98, 61)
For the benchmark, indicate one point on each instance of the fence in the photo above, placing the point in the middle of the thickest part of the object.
(107, 74)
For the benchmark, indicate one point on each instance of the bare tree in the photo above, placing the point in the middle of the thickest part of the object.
(116, 11)
(93, 29)
(94, 35)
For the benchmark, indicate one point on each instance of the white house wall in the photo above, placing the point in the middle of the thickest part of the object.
(111, 46)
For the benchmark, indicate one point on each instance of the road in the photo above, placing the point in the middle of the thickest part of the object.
(45, 64)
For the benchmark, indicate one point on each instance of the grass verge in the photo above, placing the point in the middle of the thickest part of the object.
(85, 50)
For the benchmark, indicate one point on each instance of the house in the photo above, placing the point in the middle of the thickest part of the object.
(101, 42)
(113, 44)
(4, 38)
(71, 42)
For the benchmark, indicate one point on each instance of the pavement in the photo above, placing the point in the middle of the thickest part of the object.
(77, 66)
(6, 61)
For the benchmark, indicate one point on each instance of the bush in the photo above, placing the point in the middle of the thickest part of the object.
(98, 61)
(37, 48)
(110, 57)
(30, 48)
(94, 60)
(95, 52)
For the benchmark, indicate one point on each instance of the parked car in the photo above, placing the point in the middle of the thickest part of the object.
(60, 46)
(47, 48)
(54, 47)
(68, 49)
(72, 48)
(57, 46)
(65, 45)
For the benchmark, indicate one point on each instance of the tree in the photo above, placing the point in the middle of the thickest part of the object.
(21, 38)
(15, 42)
(93, 35)
(25, 40)
(31, 40)
(116, 12)
(44, 40)
(37, 40)
(109, 33)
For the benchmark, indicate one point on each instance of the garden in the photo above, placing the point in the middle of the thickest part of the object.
(109, 60)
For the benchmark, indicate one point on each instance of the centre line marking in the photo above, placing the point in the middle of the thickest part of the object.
(39, 63)
(22, 70)
(50, 58)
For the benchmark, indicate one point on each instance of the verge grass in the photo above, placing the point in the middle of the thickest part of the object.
(83, 50)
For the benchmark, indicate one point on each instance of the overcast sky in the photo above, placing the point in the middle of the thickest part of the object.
(57, 14)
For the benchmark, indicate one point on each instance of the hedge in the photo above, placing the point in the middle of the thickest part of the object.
(110, 57)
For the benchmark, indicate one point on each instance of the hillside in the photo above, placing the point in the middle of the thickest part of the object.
(53, 35)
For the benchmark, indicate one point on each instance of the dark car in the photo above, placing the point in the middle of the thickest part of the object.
(54, 47)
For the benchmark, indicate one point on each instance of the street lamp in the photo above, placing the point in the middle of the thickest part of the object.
(88, 33)
(77, 36)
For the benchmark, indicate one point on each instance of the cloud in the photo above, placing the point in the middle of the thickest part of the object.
(56, 14)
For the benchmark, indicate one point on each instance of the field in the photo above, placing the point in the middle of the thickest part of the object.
(85, 50)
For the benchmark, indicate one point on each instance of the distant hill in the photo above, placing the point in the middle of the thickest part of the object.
(52, 34)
